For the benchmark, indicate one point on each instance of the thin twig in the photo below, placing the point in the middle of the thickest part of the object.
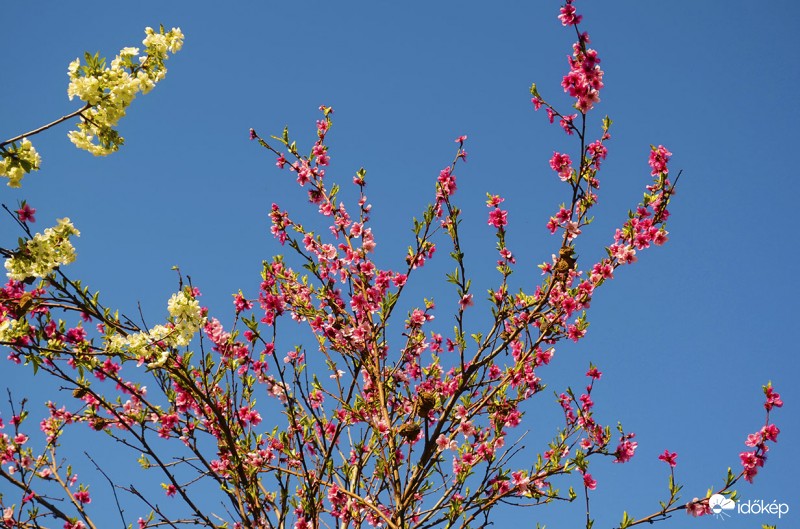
(49, 125)
(113, 488)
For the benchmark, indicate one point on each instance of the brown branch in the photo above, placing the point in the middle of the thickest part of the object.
(49, 125)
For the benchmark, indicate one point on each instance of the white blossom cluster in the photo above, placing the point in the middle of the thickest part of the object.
(44, 252)
(186, 320)
(17, 161)
(109, 91)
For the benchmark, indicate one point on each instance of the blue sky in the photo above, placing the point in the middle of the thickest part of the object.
(686, 337)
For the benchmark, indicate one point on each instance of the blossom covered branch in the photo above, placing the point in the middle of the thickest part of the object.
(346, 416)
(107, 92)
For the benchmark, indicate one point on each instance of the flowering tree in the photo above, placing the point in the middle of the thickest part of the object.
(366, 421)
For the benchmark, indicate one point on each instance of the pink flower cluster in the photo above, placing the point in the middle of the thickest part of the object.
(625, 449)
(568, 17)
(645, 226)
(497, 217)
(659, 156)
(561, 164)
(755, 459)
(585, 78)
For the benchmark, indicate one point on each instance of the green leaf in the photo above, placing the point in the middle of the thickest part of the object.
(144, 462)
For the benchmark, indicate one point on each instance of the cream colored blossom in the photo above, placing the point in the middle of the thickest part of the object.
(17, 161)
(187, 316)
(72, 69)
(153, 346)
(12, 330)
(44, 252)
(109, 91)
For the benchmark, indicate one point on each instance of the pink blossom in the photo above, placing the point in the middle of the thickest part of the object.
(596, 151)
(566, 123)
(574, 333)
(773, 398)
(589, 482)
(520, 480)
(594, 373)
(498, 218)
(83, 496)
(494, 200)
(625, 451)
(75, 335)
(750, 462)
(669, 458)
(26, 213)
(624, 254)
(659, 156)
(442, 443)
(561, 164)
(506, 254)
(568, 16)
(698, 507)
(753, 439)
(240, 303)
(383, 427)
(660, 237)
(572, 229)
(448, 182)
(249, 415)
(770, 433)
(465, 301)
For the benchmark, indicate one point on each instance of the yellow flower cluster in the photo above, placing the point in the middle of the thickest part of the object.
(11, 329)
(186, 319)
(109, 91)
(42, 254)
(18, 161)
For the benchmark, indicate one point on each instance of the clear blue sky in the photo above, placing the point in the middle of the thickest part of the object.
(686, 337)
